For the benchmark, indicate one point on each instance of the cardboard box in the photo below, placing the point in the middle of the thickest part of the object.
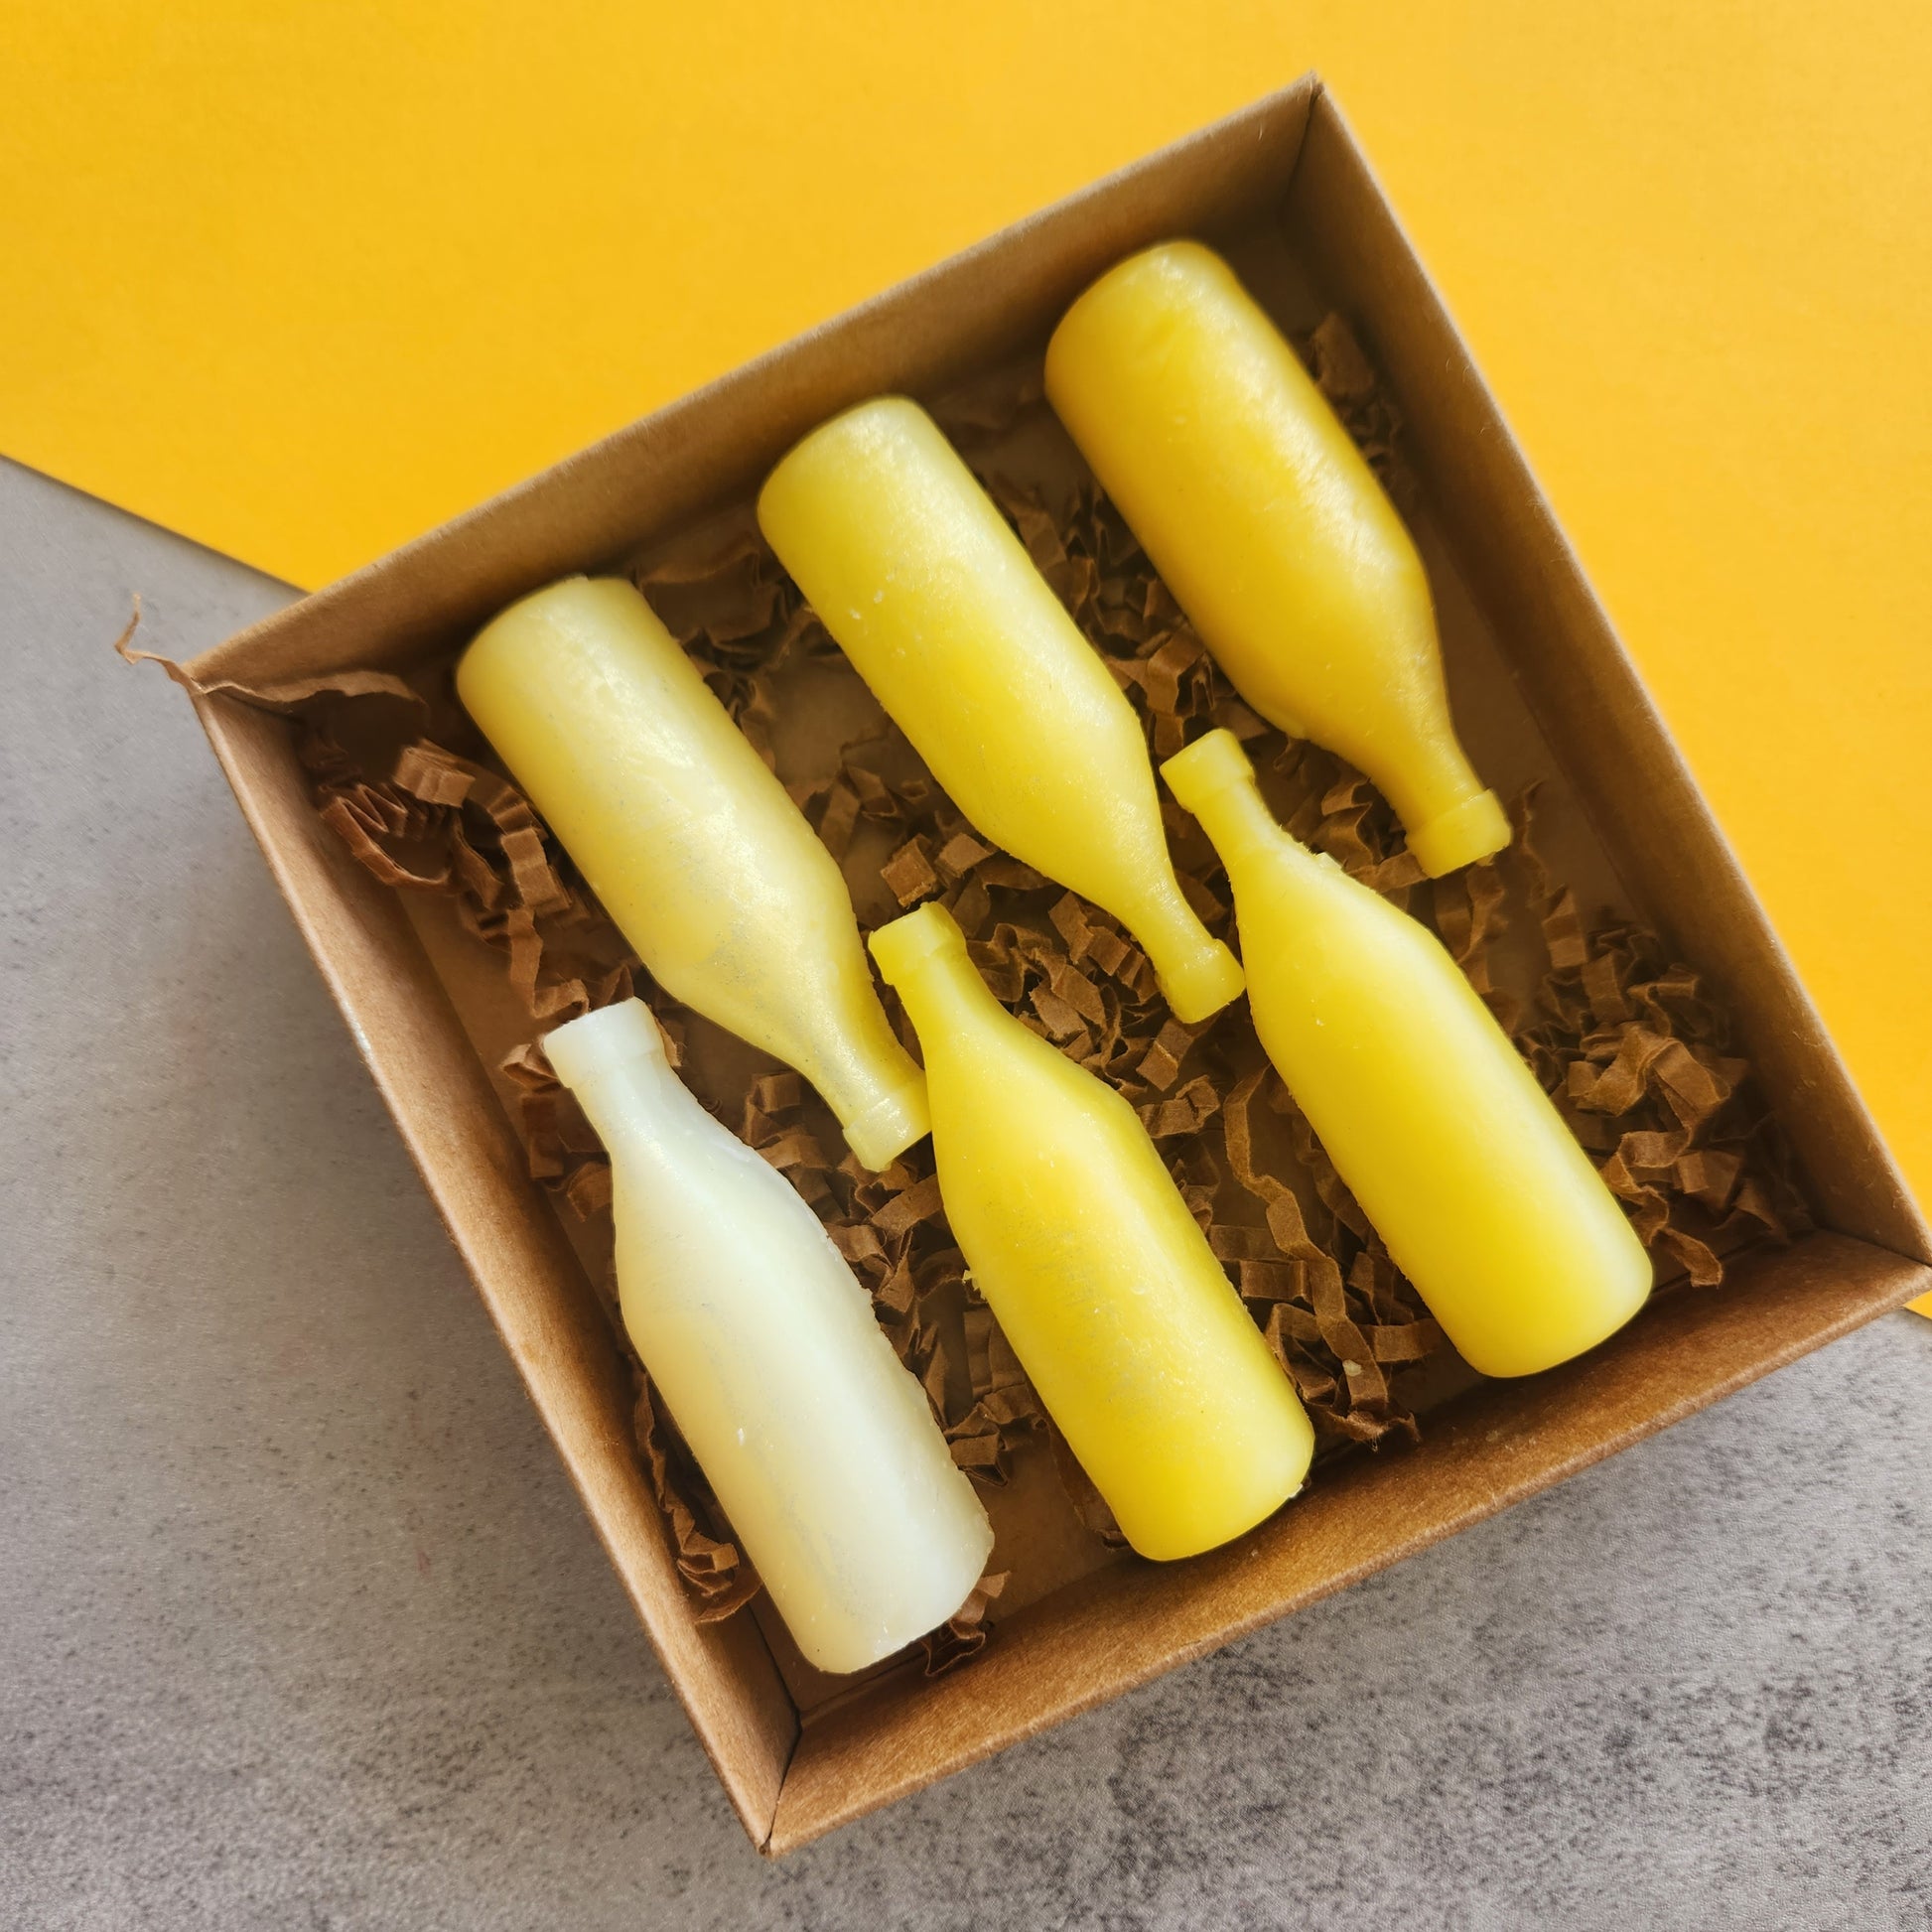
(1541, 685)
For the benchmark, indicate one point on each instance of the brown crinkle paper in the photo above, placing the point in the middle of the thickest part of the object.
(1632, 1048)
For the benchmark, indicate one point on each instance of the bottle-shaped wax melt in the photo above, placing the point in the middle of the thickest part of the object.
(691, 843)
(1101, 1279)
(916, 573)
(1271, 530)
(1480, 1193)
(818, 1444)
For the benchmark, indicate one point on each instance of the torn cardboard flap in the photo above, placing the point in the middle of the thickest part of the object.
(1627, 1041)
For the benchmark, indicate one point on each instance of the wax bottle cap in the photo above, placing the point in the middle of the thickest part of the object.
(891, 1124)
(1207, 767)
(581, 1049)
(1462, 835)
(905, 943)
(1197, 974)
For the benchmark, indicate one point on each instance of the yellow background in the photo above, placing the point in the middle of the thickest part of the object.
(304, 279)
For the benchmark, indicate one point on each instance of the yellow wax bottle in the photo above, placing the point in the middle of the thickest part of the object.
(1081, 1242)
(916, 573)
(691, 843)
(1270, 529)
(1480, 1193)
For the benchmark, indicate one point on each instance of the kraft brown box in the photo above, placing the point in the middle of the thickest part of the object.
(1281, 182)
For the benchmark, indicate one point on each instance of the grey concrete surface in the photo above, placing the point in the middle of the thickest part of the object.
(300, 1626)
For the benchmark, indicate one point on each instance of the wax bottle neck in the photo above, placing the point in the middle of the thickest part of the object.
(1214, 780)
(945, 996)
(923, 957)
(870, 1081)
(1238, 825)
(1197, 971)
(615, 1063)
(636, 1102)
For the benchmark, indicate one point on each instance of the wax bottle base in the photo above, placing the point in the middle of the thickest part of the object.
(1506, 1364)
(842, 1652)
(1460, 836)
(1178, 1551)
(1174, 1542)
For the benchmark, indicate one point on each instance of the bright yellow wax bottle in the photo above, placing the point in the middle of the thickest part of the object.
(1100, 1278)
(691, 843)
(1271, 530)
(934, 599)
(1482, 1193)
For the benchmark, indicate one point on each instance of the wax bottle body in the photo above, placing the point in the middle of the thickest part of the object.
(1102, 1281)
(931, 596)
(818, 1444)
(1269, 528)
(691, 844)
(1457, 1157)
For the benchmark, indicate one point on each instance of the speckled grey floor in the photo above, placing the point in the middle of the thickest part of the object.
(300, 1625)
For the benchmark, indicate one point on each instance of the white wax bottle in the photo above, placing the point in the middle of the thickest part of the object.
(814, 1438)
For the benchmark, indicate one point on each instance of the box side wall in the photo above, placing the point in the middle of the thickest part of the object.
(1584, 688)
(475, 1169)
(665, 471)
(1509, 1439)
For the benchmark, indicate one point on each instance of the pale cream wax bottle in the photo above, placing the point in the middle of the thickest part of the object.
(1098, 1272)
(817, 1442)
(916, 573)
(1271, 530)
(1459, 1159)
(691, 843)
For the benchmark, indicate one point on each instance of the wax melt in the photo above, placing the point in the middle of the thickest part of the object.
(929, 593)
(690, 842)
(1460, 1160)
(1132, 1336)
(1270, 529)
(817, 1443)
